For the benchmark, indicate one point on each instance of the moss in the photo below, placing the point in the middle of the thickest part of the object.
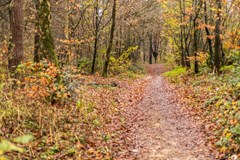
(46, 41)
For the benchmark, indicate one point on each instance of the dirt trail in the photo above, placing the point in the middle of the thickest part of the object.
(163, 130)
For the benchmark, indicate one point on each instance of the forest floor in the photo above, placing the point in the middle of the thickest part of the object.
(161, 128)
(129, 116)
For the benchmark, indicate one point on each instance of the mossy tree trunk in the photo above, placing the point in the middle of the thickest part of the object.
(45, 43)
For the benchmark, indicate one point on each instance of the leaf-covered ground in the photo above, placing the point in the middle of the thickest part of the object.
(142, 117)
(215, 102)
(92, 126)
(161, 128)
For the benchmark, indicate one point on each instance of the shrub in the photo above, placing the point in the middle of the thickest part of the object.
(121, 64)
(42, 82)
(84, 65)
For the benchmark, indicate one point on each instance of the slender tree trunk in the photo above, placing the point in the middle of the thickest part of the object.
(155, 47)
(94, 55)
(195, 46)
(217, 38)
(197, 6)
(208, 34)
(117, 44)
(16, 27)
(109, 49)
(96, 37)
(144, 52)
(120, 41)
(186, 47)
(181, 36)
(150, 49)
(37, 36)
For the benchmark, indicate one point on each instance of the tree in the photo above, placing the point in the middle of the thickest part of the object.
(155, 47)
(197, 6)
(209, 41)
(182, 50)
(99, 13)
(16, 41)
(217, 38)
(37, 32)
(150, 48)
(46, 41)
(97, 23)
(109, 49)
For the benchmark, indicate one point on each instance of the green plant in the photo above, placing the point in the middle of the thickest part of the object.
(175, 72)
(121, 64)
(84, 64)
(227, 68)
(7, 146)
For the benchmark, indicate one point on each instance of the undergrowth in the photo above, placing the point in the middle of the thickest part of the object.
(71, 116)
(174, 73)
(217, 100)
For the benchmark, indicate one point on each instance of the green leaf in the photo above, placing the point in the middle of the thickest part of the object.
(24, 139)
(7, 146)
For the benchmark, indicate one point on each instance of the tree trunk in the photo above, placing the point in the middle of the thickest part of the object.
(217, 38)
(37, 32)
(197, 6)
(181, 36)
(195, 47)
(120, 42)
(96, 37)
(16, 27)
(46, 41)
(208, 34)
(155, 47)
(150, 49)
(144, 52)
(109, 49)
(186, 36)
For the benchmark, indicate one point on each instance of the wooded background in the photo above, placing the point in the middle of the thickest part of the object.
(77, 32)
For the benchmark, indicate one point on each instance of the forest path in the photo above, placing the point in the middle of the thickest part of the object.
(163, 130)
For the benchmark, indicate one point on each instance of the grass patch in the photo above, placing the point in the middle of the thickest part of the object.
(175, 72)
(227, 68)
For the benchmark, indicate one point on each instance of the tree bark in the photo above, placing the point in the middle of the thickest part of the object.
(144, 52)
(37, 32)
(208, 34)
(217, 38)
(16, 42)
(181, 36)
(197, 5)
(155, 47)
(96, 37)
(150, 48)
(109, 49)
(46, 41)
